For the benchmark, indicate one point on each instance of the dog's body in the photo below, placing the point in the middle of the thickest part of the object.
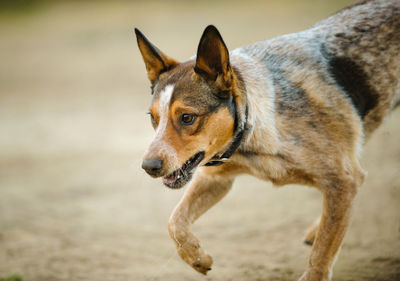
(295, 109)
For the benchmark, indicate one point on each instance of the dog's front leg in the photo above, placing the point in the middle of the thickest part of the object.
(205, 190)
(337, 207)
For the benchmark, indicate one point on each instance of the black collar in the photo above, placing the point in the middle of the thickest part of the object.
(240, 128)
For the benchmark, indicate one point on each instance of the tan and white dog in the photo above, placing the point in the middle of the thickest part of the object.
(294, 109)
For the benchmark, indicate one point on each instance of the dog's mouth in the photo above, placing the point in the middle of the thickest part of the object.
(181, 176)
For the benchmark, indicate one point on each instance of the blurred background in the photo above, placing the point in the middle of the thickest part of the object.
(74, 203)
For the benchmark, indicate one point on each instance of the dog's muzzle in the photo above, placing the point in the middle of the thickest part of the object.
(181, 176)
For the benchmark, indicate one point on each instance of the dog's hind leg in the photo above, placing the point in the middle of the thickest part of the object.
(312, 232)
(204, 191)
(339, 191)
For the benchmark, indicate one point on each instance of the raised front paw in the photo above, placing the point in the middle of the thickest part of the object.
(196, 257)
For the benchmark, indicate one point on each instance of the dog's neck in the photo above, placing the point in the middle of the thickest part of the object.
(240, 103)
(261, 133)
(255, 131)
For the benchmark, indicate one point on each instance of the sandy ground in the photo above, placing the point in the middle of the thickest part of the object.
(74, 203)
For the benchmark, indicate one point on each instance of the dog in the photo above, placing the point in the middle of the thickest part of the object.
(295, 109)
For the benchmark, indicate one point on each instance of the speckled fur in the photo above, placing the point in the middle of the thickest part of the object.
(314, 98)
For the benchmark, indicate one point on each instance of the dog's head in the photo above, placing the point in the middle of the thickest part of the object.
(193, 110)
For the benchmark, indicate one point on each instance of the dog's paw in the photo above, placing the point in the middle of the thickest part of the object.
(203, 262)
(196, 257)
(314, 275)
(310, 237)
(311, 233)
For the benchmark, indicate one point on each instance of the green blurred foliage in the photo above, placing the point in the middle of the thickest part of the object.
(14, 277)
(19, 6)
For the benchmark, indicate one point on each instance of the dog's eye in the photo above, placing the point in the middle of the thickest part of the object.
(188, 119)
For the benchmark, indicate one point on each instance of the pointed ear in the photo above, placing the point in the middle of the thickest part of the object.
(156, 61)
(212, 59)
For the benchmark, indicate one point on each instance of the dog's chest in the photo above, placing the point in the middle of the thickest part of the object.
(263, 166)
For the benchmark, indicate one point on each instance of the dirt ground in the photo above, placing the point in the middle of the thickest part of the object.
(74, 203)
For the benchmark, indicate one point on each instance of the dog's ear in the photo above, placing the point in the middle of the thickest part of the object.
(212, 60)
(156, 61)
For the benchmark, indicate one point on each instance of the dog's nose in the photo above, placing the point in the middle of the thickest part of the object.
(152, 166)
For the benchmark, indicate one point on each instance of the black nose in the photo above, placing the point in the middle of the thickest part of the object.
(152, 166)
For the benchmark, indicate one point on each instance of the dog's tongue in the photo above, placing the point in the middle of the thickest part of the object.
(170, 179)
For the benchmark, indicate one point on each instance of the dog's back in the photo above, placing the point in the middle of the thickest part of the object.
(357, 50)
(365, 44)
